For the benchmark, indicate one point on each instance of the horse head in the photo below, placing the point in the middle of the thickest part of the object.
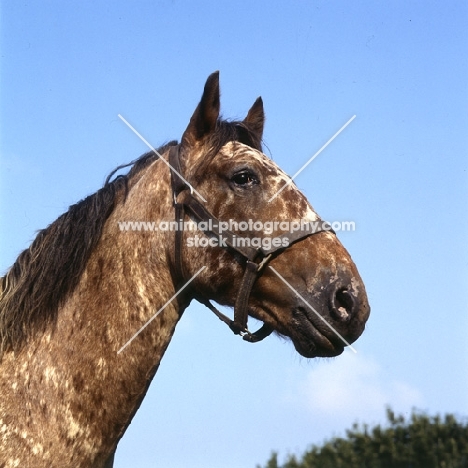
(305, 286)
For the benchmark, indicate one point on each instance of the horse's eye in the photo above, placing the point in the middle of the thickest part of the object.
(244, 178)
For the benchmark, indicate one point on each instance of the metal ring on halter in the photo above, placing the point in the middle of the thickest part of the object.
(262, 264)
(196, 210)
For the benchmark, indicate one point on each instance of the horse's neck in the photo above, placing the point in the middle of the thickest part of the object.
(71, 385)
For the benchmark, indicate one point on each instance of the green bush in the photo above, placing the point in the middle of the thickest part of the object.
(421, 441)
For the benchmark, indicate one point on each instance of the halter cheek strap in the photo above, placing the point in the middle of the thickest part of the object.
(255, 259)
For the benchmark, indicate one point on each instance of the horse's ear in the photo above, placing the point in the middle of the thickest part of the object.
(255, 119)
(203, 121)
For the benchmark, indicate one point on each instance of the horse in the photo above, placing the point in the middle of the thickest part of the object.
(88, 310)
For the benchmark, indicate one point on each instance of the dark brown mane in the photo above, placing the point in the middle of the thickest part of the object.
(45, 273)
(87, 311)
(49, 270)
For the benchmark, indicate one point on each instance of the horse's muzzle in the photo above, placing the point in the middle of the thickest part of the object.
(324, 323)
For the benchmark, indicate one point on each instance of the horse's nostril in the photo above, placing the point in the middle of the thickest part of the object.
(342, 304)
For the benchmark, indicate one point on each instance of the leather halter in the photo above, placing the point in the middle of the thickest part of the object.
(255, 258)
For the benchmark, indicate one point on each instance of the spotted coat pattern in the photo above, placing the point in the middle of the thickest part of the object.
(67, 395)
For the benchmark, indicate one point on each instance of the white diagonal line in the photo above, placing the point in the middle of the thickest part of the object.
(161, 309)
(312, 158)
(157, 153)
(313, 310)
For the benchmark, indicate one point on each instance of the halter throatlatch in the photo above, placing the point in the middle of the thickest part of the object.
(255, 259)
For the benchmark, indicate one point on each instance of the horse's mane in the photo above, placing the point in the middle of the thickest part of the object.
(45, 273)
(48, 271)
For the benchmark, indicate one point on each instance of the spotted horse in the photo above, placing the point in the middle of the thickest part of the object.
(88, 310)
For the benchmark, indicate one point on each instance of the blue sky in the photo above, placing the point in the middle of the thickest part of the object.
(399, 170)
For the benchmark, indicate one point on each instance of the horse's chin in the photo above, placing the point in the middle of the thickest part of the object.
(309, 341)
(310, 349)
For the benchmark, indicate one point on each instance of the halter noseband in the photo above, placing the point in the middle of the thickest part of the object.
(255, 258)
